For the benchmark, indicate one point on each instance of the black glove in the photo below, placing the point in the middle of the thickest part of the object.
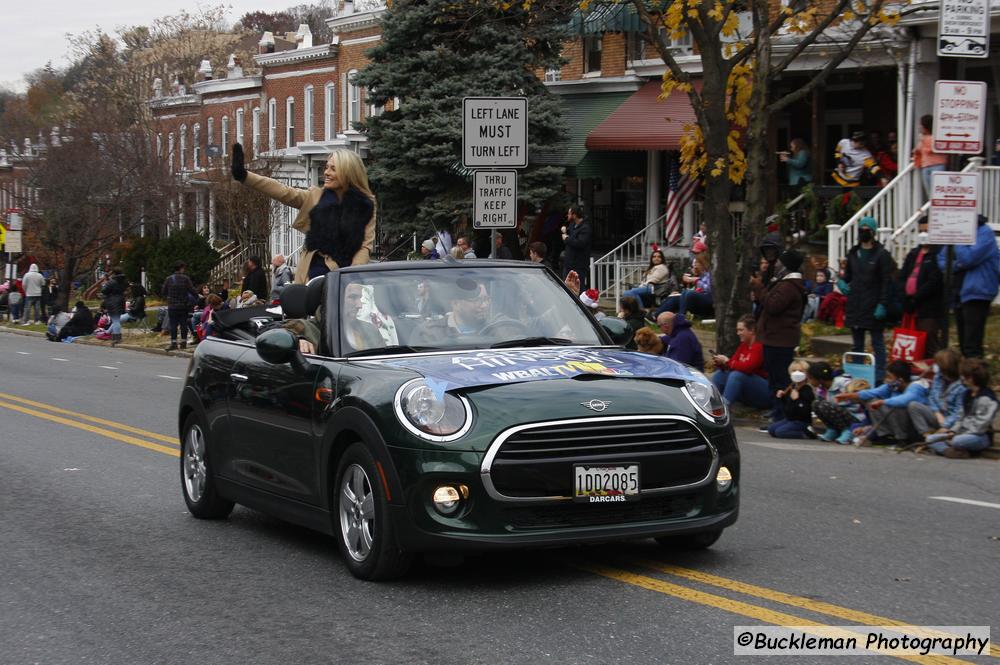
(239, 169)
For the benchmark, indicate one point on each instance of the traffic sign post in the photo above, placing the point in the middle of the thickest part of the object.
(959, 117)
(954, 202)
(964, 29)
(495, 135)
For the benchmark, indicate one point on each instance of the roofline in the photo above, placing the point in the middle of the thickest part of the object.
(296, 55)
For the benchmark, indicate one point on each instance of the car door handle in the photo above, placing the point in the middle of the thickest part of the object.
(239, 377)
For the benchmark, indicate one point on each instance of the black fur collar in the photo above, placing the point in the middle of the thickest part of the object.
(337, 228)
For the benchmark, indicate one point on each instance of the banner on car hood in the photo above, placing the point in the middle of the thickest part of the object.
(467, 369)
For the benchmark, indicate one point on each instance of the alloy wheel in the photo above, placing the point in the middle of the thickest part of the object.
(195, 470)
(357, 512)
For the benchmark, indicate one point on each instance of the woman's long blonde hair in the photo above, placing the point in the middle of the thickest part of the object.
(351, 171)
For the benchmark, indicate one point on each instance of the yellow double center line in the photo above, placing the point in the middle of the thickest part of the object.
(757, 612)
(80, 421)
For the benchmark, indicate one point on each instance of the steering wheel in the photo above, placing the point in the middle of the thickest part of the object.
(510, 327)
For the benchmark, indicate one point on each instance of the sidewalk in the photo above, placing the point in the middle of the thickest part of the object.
(93, 341)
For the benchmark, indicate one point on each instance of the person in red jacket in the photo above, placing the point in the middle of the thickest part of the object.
(741, 377)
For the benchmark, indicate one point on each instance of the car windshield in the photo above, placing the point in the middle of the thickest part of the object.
(458, 308)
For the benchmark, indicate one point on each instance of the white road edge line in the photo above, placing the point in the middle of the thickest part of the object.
(970, 502)
(172, 378)
(107, 367)
(62, 360)
(23, 353)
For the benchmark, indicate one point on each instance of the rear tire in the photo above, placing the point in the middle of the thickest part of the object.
(197, 479)
(690, 541)
(360, 510)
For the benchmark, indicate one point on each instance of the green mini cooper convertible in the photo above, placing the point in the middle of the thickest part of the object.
(446, 406)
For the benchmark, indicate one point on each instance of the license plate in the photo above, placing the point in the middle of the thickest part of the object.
(605, 484)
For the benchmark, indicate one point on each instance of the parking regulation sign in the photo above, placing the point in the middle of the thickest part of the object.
(964, 28)
(494, 132)
(959, 117)
(954, 200)
(495, 200)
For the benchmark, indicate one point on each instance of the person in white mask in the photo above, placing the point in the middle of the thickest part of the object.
(796, 405)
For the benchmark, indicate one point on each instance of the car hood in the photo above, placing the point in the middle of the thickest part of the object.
(472, 369)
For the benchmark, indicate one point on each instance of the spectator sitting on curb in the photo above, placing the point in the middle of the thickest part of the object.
(681, 342)
(888, 405)
(741, 378)
(945, 396)
(835, 418)
(973, 430)
(633, 314)
(796, 405)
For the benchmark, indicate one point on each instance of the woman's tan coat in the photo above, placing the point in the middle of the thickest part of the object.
(305, 200)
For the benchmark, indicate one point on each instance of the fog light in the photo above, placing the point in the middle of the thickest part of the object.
(446, 499)
(724, 478)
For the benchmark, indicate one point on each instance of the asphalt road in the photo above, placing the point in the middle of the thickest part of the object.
(101, 562)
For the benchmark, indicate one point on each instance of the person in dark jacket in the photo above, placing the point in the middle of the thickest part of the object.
(114, 303)
(978, 267)
(50, 293)
(796, 405)
(922, 287)
(81, 324)
(866, 283)
(682, 344)
(780, 323)
(576, 236)
(631, 312)
(180, 294)
(255, 279)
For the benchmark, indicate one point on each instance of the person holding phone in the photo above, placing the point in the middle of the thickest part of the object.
(741, 378)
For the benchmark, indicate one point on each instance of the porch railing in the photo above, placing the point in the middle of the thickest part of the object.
(230, 264)
(624, 263)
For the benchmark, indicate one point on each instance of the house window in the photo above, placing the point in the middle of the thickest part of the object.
(196, 143)
(170, 151)
(272, 123)
(239, 125)
(256, 131)
(182, 150)
(290, 122)
(210, 138)
(159, 146)
(681, 45)
(353, 99)
(635, 48)
(329, 111)
(307, 113)
(373, 110)
(553, 75)
(592, 53)
(225, 135)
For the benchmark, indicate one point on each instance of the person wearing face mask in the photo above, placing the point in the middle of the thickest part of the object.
(944, 397)
(796, 405)
(922, 286)
(888, 405)
(866, 283)
(779, 322)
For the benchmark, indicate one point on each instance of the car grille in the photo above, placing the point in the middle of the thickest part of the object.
(538, 461)
(567, 514)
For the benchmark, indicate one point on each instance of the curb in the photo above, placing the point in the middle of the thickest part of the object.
(95, 342)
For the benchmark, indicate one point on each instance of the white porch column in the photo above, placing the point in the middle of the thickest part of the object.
(687, 229)
(142, 219)
(211, 217)
(199, 210)
(180, 211)
(654, 189)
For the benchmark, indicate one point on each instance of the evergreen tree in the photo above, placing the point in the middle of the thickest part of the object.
(432, 54)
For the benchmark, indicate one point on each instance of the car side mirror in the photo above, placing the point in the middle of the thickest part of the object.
(619, 331)
(279, 346)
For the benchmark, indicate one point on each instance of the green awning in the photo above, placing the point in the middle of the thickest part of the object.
(581, 114)
(613, 17)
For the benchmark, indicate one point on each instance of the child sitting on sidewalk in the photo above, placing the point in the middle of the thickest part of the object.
(972, 432)
(887, 405)
(796, 405)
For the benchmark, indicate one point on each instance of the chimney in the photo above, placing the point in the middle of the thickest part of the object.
(304, 36)
(234, 70)
(348, 8)
(157, 88)
(266, 43)
(205, 70)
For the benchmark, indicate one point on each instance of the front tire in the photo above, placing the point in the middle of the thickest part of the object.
(690, 541)
(197, 480)
(361, 516)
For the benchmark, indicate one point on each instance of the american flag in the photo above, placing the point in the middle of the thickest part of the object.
(680, 190)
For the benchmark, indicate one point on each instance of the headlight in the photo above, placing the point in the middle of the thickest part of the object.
(706, 399)
(435, 416)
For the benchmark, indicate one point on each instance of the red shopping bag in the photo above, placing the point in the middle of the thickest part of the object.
(908, 343)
